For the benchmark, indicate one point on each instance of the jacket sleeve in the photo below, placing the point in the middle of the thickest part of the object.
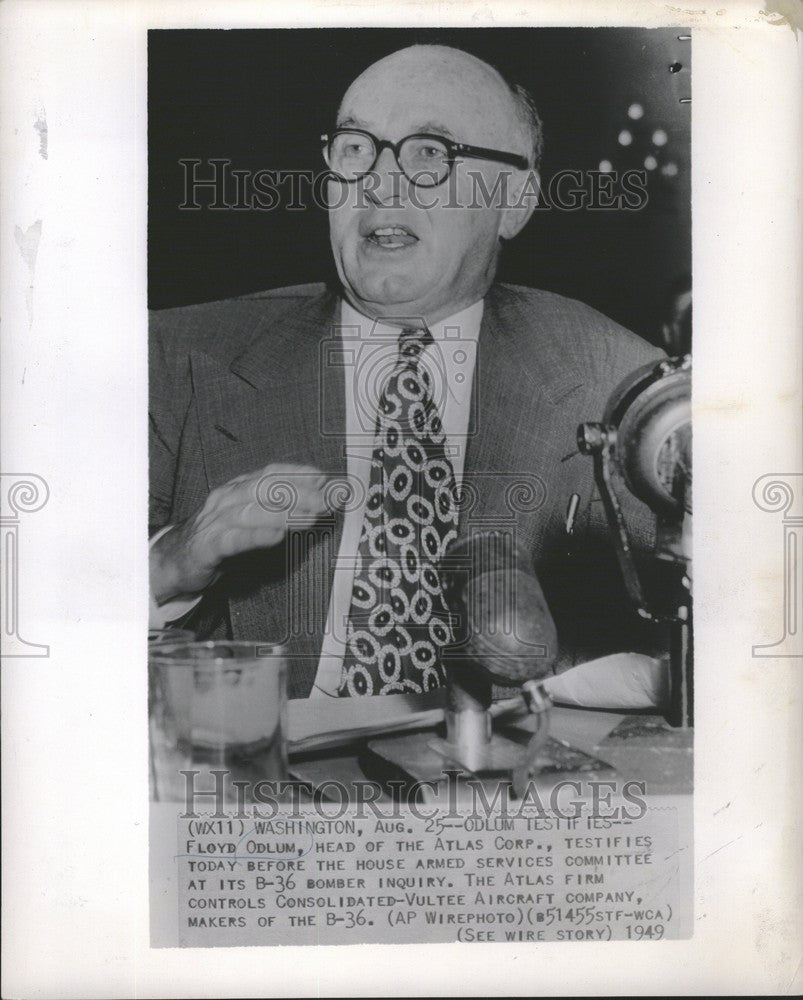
(169, 394)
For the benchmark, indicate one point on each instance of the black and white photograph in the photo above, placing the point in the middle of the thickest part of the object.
(420, 469)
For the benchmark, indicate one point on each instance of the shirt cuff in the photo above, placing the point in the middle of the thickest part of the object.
(161, 615)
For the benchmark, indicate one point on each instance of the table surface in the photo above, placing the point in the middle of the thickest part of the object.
(638, 747)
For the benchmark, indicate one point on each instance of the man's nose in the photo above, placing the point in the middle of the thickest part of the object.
(385, 183)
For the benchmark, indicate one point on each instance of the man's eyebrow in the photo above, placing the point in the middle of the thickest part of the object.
(353, 122)
(434, 128)
(437, 128)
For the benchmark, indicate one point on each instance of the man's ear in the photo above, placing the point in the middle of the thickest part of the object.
(523, 196)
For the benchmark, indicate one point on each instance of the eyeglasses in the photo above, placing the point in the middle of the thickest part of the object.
(426, 160)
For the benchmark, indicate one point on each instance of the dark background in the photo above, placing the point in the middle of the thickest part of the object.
(261, 98)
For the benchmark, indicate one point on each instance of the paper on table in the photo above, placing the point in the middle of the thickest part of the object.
(325, 722)
(620, 681)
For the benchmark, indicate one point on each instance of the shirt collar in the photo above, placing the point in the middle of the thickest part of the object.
(467, 322)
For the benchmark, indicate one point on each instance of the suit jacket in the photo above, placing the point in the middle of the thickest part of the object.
(238, 384)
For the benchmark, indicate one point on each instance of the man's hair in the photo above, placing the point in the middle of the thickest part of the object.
(530, 119)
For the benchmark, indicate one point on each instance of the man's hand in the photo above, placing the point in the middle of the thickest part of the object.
(248, 512)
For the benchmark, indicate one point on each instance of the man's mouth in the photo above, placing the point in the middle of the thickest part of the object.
(391, 237)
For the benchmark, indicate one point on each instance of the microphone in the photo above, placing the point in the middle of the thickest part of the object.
(645, 439)
(503, 634)
(502, 625)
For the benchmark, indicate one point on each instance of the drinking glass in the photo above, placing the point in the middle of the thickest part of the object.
(216, 706)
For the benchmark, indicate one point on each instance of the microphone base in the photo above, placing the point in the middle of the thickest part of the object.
(498, 755)
(417, 766)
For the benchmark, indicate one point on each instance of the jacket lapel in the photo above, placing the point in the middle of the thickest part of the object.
(281, 401)
(271, 398)
(515, 428)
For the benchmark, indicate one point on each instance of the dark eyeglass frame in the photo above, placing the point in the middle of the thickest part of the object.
(453, 151)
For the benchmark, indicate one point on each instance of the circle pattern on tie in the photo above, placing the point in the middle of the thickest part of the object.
(399, 620)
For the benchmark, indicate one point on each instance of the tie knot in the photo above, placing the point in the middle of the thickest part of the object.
(413, 340)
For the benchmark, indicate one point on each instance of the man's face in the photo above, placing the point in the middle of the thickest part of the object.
(438, 259)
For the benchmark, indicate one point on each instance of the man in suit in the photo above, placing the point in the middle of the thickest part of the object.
(420, 373)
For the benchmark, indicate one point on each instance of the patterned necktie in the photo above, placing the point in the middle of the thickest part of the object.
(398, 619)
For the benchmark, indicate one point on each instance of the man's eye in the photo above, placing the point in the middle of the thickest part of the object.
(431, 152)
(428, 152)
(355, 148)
